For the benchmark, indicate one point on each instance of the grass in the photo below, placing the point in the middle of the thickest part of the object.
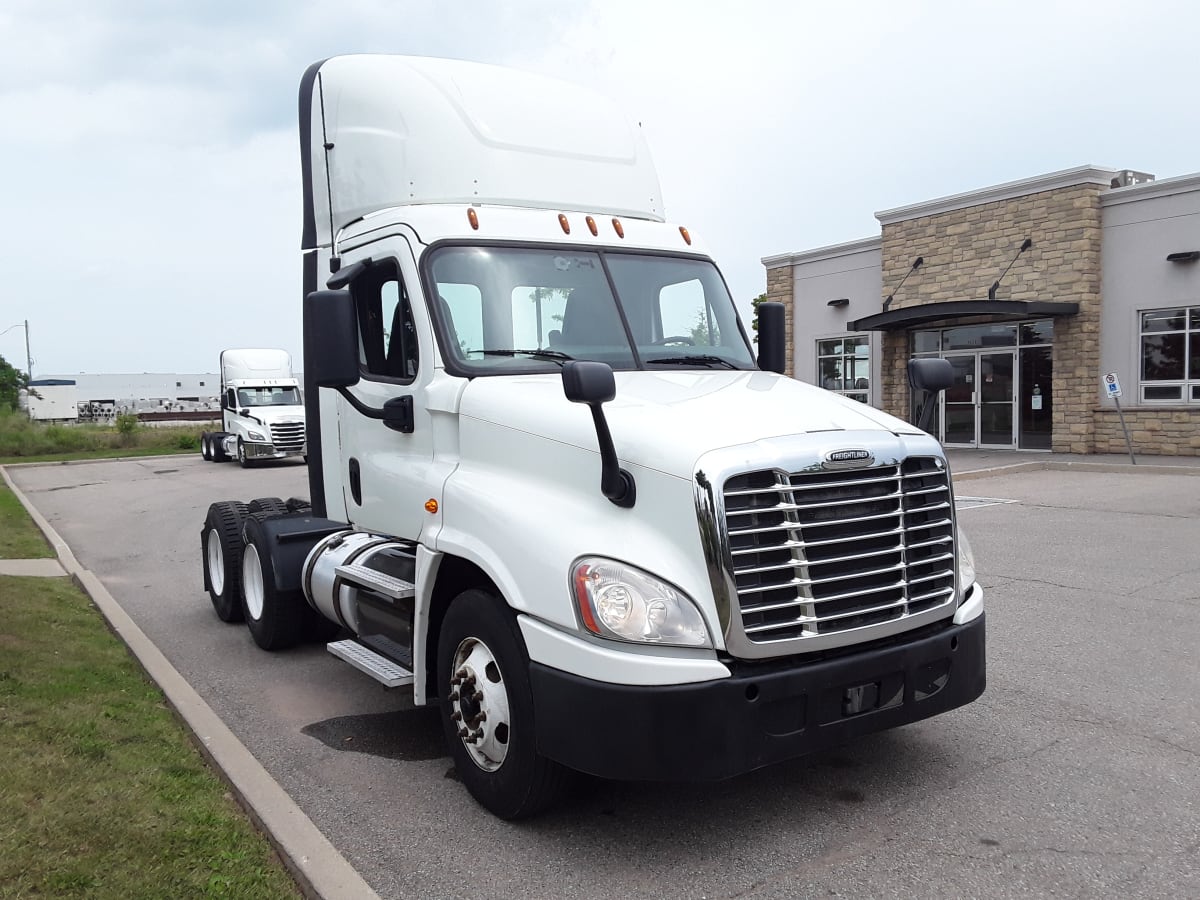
(102, 794)
(19, 537)
(22, 440)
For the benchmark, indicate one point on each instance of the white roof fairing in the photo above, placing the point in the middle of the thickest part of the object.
(415, 130)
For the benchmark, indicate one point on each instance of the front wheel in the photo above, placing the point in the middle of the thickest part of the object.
(242, 459)
(487, 709)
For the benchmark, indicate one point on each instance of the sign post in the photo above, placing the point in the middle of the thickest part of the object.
(1112, 388)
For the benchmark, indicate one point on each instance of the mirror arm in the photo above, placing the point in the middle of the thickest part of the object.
(615, 483)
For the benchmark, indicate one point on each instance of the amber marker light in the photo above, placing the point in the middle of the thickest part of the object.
(591, 224)
(582, 577)
(618, 228)
(687, 238)
(566, 226)
(473, 218)
(431, 505)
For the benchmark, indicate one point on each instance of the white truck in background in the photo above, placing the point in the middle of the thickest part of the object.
(262, 412)
(553, 491)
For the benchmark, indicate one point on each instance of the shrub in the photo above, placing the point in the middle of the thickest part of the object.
(187, 442)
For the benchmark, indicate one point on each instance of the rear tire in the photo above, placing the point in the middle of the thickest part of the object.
(205, 450)
(492, 740)
(277, 619)
(216, 444)
(221, 550)
(272, 505)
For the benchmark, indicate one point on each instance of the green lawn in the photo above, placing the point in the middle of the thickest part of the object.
(101, 793)
(19, 537)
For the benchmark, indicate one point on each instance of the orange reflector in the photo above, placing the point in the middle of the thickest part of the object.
(473, 218)
(618, 228)
(687, 237)
(591, 224)
(431, 505)
(566, 226)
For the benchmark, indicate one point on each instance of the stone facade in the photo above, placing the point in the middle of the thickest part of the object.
(966, 250)
(1160, 432)
(781, 288)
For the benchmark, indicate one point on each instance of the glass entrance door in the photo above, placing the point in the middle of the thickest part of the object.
(978, 409)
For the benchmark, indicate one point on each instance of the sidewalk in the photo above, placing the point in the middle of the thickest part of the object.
(41, 568)
(976, 463)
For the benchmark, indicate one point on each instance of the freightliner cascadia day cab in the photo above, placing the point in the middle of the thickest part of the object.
(261, 409)
(553, 491)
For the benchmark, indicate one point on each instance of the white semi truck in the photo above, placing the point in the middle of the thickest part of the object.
(262, 413)
(553, 491)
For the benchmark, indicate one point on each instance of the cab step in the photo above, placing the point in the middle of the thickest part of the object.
(385, 671)
(374, 580)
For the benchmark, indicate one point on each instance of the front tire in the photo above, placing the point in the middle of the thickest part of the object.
(221, 547)
(243, 461)
(487, 709)
(277, 619)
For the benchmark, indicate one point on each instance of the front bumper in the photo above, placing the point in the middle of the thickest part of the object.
(270, 451)
(760, 715)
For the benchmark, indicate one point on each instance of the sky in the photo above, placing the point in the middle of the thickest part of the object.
(152, 198)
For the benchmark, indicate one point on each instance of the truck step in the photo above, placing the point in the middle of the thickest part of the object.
(373, 580)
(364, 659)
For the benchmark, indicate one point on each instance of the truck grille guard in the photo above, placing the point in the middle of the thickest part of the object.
(825, 556)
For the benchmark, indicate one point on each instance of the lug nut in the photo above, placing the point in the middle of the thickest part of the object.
(453, 696)
(462, 732)
(482, 717)
(477, 696)
(456, 716)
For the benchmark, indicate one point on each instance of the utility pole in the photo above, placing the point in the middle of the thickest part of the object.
(28, 357)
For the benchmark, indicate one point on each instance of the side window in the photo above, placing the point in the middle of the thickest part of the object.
(387, 336)
(684, 313)
(230, 399)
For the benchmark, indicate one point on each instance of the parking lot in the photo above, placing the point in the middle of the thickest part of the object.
(1075, 774)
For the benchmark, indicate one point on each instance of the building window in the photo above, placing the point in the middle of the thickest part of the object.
(844, 366)
(1170, 355)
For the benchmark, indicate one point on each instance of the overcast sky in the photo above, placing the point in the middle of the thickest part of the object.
(151, 193)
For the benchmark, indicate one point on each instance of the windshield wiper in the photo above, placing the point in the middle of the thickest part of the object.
(702, 359)
(539, 354)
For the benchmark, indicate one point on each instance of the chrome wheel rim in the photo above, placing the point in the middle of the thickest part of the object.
(479, 704)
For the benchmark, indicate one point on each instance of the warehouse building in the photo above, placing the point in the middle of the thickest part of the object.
(1034, 290)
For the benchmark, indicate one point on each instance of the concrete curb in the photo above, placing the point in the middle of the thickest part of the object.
(319, 869)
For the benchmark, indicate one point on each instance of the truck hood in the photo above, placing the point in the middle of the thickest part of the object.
(667, 420)
(277, 414)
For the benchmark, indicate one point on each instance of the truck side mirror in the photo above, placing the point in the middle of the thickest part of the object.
(586, 381)
(930, 376)
(330, 339)
(772, 339)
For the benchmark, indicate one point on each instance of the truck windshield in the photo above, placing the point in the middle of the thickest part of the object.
(508, 309)
(268, 396)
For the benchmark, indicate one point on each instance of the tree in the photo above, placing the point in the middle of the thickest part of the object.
(11, 382)
(754, 322)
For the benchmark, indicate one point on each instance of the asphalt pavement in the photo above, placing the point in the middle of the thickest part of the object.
(1074, 775)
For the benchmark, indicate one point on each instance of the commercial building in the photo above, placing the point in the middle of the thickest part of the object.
(1034, 290)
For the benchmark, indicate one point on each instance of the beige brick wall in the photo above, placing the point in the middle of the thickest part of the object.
(966, 250)
(1165, 432)
(781, 289)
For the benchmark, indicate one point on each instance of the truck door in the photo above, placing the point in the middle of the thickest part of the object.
(385, 427)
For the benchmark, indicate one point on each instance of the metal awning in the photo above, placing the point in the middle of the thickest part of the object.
(931, 313)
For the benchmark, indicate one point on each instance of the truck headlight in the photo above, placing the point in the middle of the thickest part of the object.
(256, 435)
(619, 601)
(966, 564)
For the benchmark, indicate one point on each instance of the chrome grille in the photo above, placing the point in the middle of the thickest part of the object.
(816, 553)
(287, 435)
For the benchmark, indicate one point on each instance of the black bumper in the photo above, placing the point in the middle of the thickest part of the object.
(760, 715)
